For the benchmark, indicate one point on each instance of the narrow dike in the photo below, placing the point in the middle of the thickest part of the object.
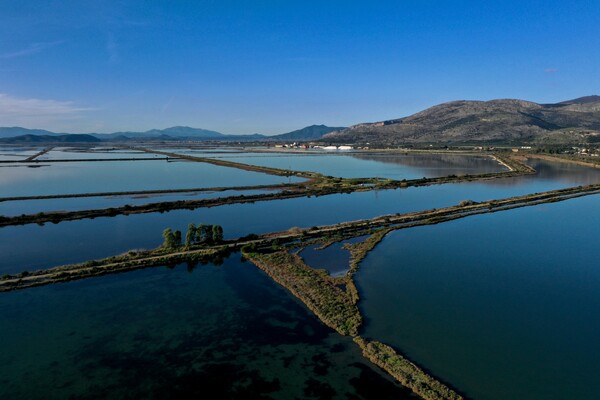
(41, 153)
(333, 300)
(337, 308)
(320, 234)
(283, 186)
(316, 185)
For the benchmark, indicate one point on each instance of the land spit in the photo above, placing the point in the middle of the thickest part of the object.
(286, 186)
(336, 307)
(566, 158)
(36, 155)
(76, 160)
(332, 299)
(315, 185)
(233, 164)
(293, 237)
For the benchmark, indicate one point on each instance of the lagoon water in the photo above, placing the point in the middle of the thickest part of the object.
(13, 157)
(70, 153)
(334, 258)
(107, 176)
(17, 153)
(14, 208)
(501, 306)
(397, 166)
(32, 247)
(218, 332)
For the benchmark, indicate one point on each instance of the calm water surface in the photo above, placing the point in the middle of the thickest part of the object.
(12, 208)
(334, 259)
(178, 333)
(31, 246)
(70, 153)
(11, 153)
(84, 177)
(502, 306)
(397, 166)
(515, 320)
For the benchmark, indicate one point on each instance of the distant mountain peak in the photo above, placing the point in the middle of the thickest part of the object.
(583, 100)
(68, 138)
(312, 132)
(13, 131)
(467, 121)
(184, 131)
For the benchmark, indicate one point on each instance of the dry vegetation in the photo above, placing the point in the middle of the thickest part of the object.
(406, 372)
(313, 287)
(333, 300)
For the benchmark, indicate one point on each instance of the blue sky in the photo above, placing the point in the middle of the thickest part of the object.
(274, 66)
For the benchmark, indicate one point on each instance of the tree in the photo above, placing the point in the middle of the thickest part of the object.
(190, 236)
(177, 238)
(217, 233)
(199, 232)
(169, 238)
(204, 233)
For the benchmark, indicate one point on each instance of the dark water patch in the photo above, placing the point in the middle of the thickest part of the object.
(31, 247)
(14, 208)
(500, 305)
(334, 259)
(168, 333)
(369, 381)
(320, 364)
(314, 389)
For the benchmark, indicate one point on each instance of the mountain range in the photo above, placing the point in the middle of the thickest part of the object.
(506, 120)
(17, 134)
(457, 122)
(54, 138)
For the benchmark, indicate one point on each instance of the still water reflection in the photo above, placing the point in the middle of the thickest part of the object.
(214, 332)
(31, 246)
(502, 305)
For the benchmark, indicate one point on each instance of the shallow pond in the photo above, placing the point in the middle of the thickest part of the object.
(334, 258)
(223, 332)
(109, 176)
(16, 153)
(398, 166)
(516, 320)
(18, 207)
(78, 153)
(31, 246)
(501, 306)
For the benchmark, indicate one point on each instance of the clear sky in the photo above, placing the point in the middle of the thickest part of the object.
(274, 66)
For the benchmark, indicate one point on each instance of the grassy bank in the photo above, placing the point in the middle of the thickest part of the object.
(333, 300)
(378, 227)
(313, 287)
(405, 371)
(283, 186)
(317, 185)
(126, 262)
(566, 158)
(233, 164)
(337, 308)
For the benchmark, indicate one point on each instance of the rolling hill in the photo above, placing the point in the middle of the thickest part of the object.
(312, 132)
(174, 133)
(72, 138)
(506, 120)
(7, 132)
